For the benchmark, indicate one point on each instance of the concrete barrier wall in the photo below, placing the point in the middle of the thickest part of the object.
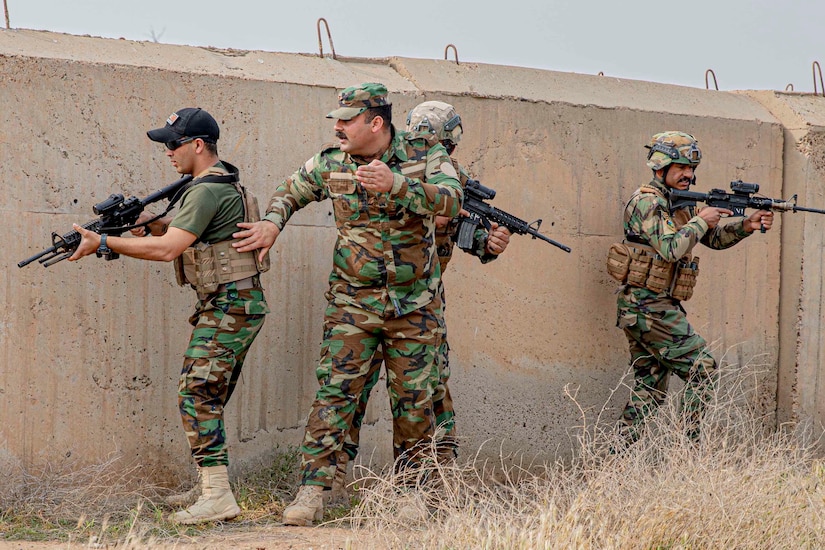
(92, 351)
(801, 395)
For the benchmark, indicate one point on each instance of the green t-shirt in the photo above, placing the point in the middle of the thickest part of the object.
(211, 211)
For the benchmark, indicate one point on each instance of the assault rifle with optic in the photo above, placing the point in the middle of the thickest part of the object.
(742, 197)
(481, 213)
(117, 215)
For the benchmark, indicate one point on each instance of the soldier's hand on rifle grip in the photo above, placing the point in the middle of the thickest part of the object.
(762, 219)
(713, 215)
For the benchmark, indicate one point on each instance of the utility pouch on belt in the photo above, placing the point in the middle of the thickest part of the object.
(618, 261)
(630, 263)
(206, 266)
(639, 265)
(686, 272)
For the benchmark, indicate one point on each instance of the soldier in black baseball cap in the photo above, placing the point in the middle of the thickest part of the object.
(210, 207)
(186, 125)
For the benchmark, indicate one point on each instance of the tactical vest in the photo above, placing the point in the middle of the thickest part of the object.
(637, 264)
(206, 266)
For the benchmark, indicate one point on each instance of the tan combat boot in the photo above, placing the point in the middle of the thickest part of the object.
(187, 498)
(307, 507)
(216, 502)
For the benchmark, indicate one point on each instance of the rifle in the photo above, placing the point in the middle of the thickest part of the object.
(743, 197)
(117, 214)
(482, 213)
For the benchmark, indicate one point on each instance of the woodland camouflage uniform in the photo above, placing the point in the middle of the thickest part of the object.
(384, 289)
(442, 400)
(660, 337)
(225, 323)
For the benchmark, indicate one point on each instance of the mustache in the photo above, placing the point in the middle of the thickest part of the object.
(341, 135)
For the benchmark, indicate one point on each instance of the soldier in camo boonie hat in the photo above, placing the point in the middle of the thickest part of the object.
(356, 99)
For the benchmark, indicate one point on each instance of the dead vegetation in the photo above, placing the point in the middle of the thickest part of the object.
(745, 485)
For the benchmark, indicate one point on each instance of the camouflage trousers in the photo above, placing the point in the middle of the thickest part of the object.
(446, 440)
(352, 336)
(226, 324)
(662, 342)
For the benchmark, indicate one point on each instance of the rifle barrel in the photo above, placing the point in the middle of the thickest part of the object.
(537, 235)
(805, 209)
(37, 256)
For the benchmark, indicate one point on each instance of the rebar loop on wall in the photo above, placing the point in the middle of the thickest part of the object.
(455, 51)
(601, 73)
(815, 67)
(715, 84)
(789, 87)
(6, 9)
(329, 37)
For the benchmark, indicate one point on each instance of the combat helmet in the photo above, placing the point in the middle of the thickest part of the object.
(435, 119)
(672, 148)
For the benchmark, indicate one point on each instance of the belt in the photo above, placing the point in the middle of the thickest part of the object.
(241, 284)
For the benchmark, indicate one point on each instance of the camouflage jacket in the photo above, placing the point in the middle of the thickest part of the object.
(648, 220)
(445, 236)
(385, 253)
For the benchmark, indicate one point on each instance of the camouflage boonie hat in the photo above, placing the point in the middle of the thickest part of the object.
(435, 118)
(673, 148)
(356, 99)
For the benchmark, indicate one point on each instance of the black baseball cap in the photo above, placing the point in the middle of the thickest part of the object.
(188, 122)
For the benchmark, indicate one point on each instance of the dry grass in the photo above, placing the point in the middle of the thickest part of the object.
(743, 486)
(110, 505)
(70, 502)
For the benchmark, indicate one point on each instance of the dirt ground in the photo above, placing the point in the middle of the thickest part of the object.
(276, 537)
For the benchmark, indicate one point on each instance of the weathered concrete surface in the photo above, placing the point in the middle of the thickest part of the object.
(92, 350)
(801, 394)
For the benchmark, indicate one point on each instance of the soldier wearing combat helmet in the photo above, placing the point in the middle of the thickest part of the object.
(658, 270)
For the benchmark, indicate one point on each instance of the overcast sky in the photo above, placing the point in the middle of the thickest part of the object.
(758, 44)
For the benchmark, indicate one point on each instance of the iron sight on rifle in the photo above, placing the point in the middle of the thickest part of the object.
(742, 197)
(482, 213)
(117, 214)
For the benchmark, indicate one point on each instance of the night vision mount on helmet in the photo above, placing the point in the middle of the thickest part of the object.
(435, 119)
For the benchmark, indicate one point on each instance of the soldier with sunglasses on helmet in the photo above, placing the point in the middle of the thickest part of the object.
(657, 268)
(231, 305)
